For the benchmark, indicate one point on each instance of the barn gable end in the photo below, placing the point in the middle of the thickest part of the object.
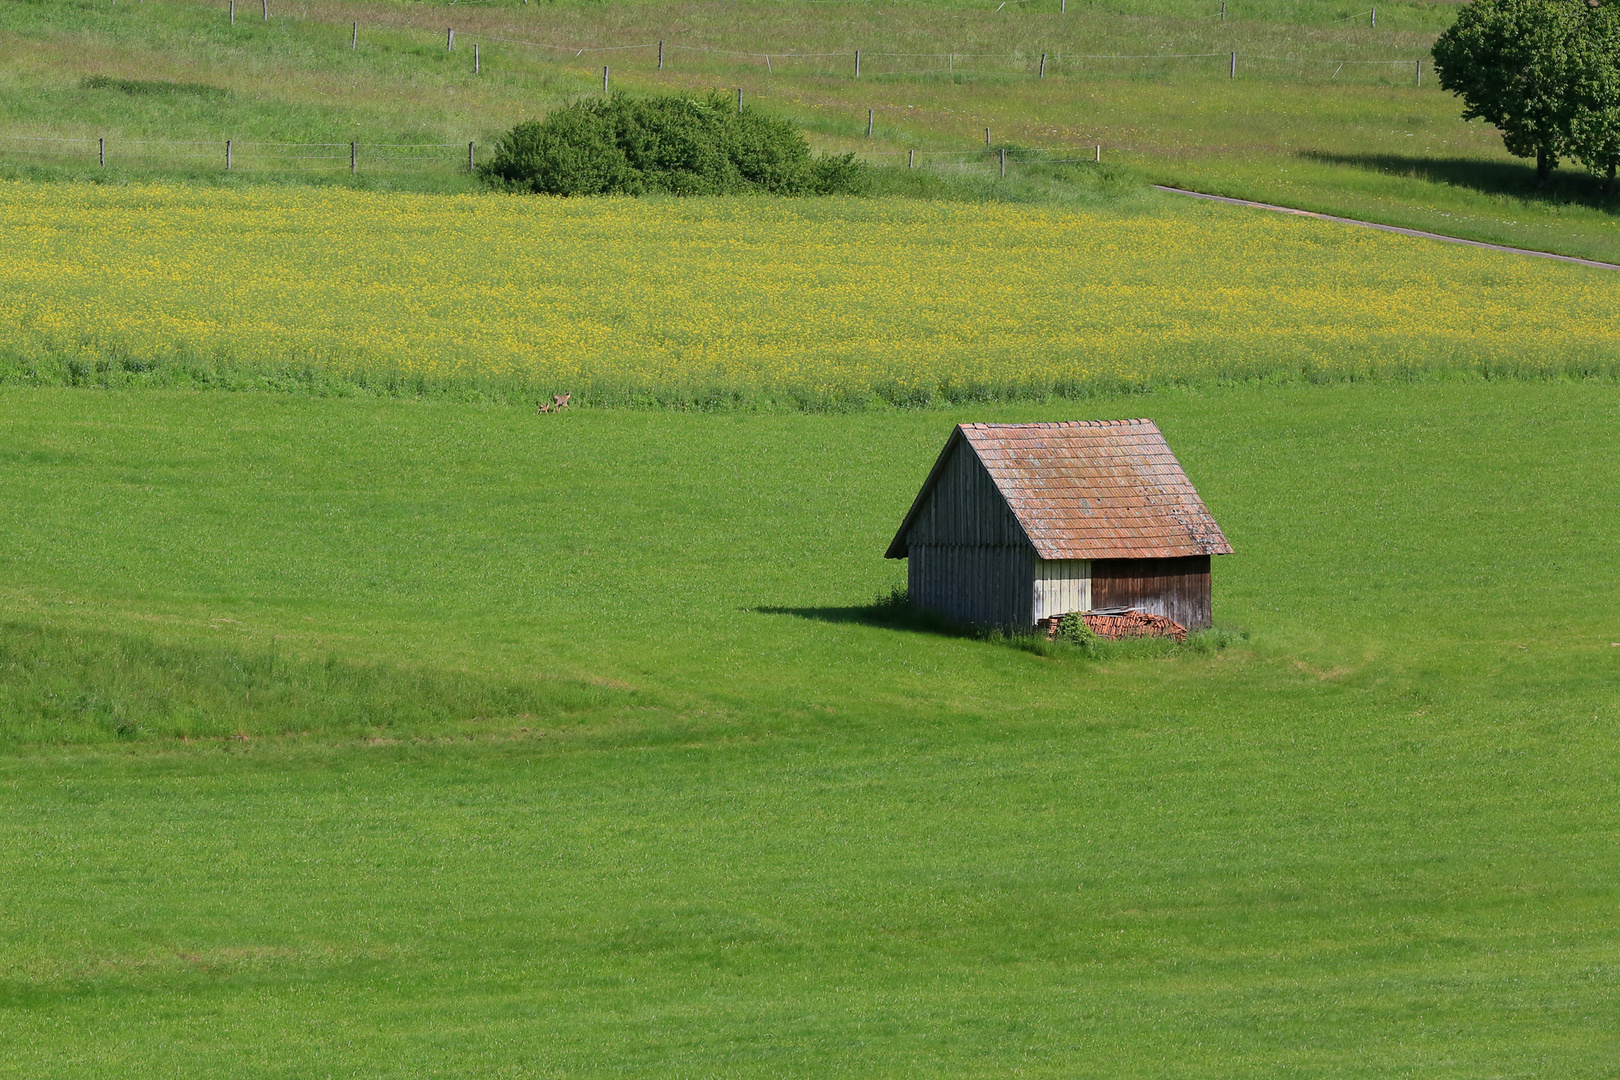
(967, 555)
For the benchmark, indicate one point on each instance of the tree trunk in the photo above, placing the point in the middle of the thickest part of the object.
(1543, 168)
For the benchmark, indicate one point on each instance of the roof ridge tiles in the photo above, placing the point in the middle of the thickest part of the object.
(1036, 425)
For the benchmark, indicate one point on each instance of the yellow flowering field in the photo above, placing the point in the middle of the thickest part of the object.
(799, 300)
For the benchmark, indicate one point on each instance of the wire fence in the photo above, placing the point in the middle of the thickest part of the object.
(230, 155)
(356, 158)
(858, 61)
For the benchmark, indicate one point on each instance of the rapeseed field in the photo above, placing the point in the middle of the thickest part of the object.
(814, 302)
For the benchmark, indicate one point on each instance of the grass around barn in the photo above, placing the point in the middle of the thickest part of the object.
(720, 821)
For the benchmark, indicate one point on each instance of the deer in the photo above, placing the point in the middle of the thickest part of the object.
(559, 402)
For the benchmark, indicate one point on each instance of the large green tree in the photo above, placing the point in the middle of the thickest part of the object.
(1515, 65)
(1594, 130)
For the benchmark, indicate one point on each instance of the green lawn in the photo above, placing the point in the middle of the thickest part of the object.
(717, 823)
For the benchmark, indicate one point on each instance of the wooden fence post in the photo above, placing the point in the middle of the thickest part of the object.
(868, 123)
(1233, 73)
(354, 39)
(1223, 10)
(476, 68)
(470, 157)
(227, 155)
(449, 39)
(1099, 153)
(233, 12)
(1419, 72)
(351, 159)
(604, 78)
(1043, 66)
(101, 150)
(911, 159)
(1004, 163)
(660, 55)
(986, 136)
(739, 99)
(1374, 20)
(857, 63)
(266, 5)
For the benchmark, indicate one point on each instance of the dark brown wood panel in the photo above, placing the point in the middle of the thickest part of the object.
(984, 584)
(1176, 588)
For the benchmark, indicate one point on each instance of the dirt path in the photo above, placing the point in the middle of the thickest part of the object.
(1388, 228)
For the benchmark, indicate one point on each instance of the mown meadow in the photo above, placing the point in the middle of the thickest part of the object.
(699, 811)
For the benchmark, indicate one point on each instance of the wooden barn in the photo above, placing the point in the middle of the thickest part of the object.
(1020, 522)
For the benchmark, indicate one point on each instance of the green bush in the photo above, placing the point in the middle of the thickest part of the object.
(1073, 629)
(630, 146)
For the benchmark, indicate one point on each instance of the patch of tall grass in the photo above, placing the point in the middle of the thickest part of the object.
(60, 685)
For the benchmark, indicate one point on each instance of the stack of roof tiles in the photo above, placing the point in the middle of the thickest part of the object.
(1125, 624)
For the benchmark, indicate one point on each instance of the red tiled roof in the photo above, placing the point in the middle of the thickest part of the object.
(1096, 489)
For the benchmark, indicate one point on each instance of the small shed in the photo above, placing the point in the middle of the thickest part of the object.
(1021, 522)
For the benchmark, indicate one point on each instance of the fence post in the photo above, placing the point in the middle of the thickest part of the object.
(739, 99)
(660, 55)
(1099, 153)
(476, 68)
(101, 150)
(1063, 7)
(1223, 10)
(266, 5)
(233, 12)
(604, 78)
(911, 159)
(1004, 163)
(1043, 66)
(354, 39)
(351, 159)
(227, 155)
(857, 63)
(1374, 20)
(1233, 74)
(987, 137)
(1419, 72)
(449, 39)
(470, 157)
(868, 123)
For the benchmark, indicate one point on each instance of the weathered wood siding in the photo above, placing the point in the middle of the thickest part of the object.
(1061, 586)
(968, 558)
(1176, 588)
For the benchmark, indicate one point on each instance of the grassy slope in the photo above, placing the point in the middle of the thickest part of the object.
(1374, 840)
(1360, 141)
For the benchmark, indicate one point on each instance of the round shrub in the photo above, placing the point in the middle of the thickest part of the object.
(628, 146)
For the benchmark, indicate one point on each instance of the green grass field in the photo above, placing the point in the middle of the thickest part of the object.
(1297, 126)
(698, 813)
